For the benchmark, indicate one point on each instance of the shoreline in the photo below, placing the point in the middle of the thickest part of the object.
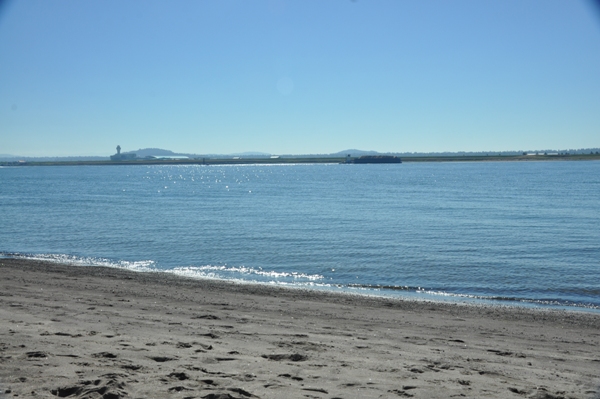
(80, 330)
(311, 160)
(376, 293)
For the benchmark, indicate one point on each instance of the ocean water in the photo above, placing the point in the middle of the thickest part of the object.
(519, 233)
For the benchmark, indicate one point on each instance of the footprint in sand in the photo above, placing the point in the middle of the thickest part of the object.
(162, 359)
(296, 357)
(105, 355)
(291, 377)
(107, 388)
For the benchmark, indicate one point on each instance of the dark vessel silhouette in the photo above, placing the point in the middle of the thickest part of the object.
(376, 159)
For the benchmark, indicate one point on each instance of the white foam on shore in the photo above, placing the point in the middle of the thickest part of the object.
(220, 271)
(296, 280)
(141, 266)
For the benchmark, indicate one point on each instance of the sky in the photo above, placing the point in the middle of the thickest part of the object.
(298, 77)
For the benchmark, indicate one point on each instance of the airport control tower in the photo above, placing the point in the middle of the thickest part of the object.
(122, 157)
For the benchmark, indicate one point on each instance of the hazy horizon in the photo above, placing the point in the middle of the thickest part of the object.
(291, 77)
(355, 152)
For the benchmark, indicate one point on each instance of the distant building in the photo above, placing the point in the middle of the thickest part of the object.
(542, 153)
(122, 157)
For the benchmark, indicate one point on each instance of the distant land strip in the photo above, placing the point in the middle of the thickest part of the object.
(304, 160)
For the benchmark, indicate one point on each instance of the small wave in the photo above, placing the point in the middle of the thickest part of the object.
(143, 265)
(471, 297)
(517, 300)
(385, 287)
(221, 272)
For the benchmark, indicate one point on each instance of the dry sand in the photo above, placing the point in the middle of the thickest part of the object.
(92, 332)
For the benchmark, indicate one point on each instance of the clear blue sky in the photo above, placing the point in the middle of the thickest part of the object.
(295, 77)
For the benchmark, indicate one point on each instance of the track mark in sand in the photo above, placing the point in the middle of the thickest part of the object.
(416, 370)
(204, 346)
(111, 388)
(402, 393)
(37, 355)
(209, 335)
(291, 377)
(67, 391)
(242, 392)
(218, 373)
(543, 394)
(296, 357)
(132, 367)
(206, 316)
(179, 376)
(225, 395)
(220, 396)
(273, 385)
(517, 390)
(63, 334)
(507, 353)
(106, 355)
(246, 377)
(306, 345)
(439, 366)
(162, 359)
(416, 340)
(315, 390)
(179, 389)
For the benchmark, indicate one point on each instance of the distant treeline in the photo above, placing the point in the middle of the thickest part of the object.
(581, 151)
(12, 158)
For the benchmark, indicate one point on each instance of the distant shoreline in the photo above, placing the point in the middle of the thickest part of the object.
(293, 160)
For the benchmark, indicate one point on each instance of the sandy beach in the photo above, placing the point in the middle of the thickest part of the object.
(93, 332)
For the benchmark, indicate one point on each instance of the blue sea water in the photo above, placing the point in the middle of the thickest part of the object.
(525, 233)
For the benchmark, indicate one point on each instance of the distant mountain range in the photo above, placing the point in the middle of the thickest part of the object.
(145, 152)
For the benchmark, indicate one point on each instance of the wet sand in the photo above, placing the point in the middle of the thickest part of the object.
(93, 332)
